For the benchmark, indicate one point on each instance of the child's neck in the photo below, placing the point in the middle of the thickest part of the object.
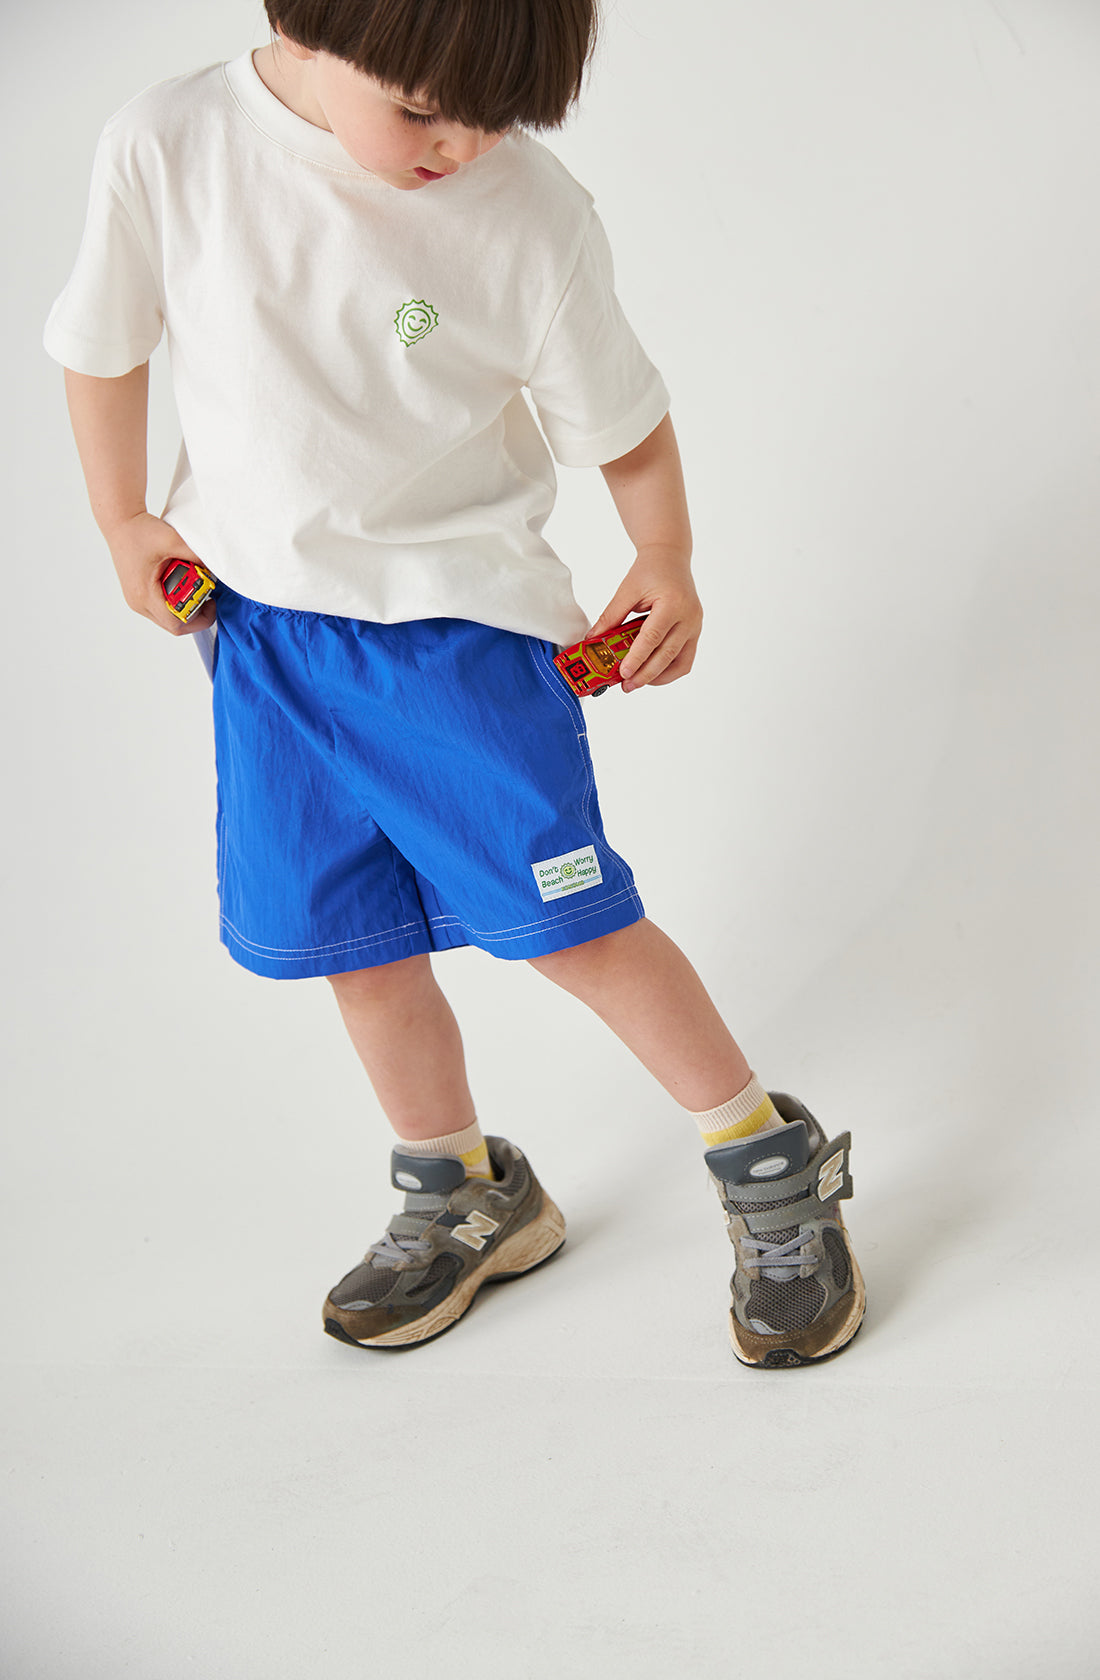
(281, 75)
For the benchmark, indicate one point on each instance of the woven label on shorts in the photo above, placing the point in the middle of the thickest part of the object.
(570, 873)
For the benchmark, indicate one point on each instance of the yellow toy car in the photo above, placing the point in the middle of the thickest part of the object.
(186, 585)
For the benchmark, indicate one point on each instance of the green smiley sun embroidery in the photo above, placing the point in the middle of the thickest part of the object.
(415, 321)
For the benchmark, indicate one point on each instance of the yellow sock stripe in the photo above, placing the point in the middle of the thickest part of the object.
(760, 1117)
(476, 1162)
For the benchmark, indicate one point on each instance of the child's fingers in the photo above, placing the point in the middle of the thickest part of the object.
(652, 654)
(645, 644)
(678, 667)
(201, 620)
(158, 613)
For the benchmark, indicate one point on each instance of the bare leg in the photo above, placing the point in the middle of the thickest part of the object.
(645, 989)
(408, 1040)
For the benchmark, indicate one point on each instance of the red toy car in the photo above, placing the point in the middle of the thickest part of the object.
(185, 586)
(590, 667)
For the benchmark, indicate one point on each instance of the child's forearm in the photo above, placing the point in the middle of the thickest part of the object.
(647, 487)
(110, 423)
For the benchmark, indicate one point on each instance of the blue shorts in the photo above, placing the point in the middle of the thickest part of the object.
(386, 790)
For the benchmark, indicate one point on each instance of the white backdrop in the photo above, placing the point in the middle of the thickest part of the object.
(860, 240)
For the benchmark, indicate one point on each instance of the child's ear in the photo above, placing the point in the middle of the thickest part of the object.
(294, 48)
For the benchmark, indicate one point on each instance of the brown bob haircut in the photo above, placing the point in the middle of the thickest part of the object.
(487, 64)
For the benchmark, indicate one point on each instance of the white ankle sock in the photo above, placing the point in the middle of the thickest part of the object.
(751, 1110)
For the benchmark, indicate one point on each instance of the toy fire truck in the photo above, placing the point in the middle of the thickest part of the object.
(591, 667)
(186, 585)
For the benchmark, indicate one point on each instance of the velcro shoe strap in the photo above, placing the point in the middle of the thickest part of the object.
(762, 1221)
(436, 1174)
(826, 1179)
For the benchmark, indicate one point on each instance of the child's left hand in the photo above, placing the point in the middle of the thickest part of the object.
(659, 584)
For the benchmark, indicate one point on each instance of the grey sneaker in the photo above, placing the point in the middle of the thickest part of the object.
(454, 1234)
(798, 1295)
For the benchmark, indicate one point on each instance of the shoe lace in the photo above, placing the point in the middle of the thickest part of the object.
(783, 1257)
(398, 1251)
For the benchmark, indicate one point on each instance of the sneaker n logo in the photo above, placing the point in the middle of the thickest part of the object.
(831, 1177)
(477, 1230)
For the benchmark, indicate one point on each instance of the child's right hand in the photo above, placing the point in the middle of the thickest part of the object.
(141, 549)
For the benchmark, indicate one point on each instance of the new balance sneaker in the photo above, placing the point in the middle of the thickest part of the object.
(454, 1234)
(798, 1295)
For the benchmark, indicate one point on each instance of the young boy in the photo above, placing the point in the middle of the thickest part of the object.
(361, 260)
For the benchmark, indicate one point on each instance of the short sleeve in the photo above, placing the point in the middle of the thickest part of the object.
(596, 392)
(108, 319)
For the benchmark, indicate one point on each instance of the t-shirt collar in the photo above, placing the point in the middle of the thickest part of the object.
(284, 126)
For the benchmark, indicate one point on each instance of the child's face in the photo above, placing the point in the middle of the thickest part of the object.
(396, 137)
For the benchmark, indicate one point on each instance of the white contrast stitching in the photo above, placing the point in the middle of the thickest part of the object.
(294, 953)
(290, 952)
(526, 928)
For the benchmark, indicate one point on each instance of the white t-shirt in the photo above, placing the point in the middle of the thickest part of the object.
(349, 359)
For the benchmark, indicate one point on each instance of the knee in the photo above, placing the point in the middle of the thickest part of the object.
(556, 965)
(578, 960)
